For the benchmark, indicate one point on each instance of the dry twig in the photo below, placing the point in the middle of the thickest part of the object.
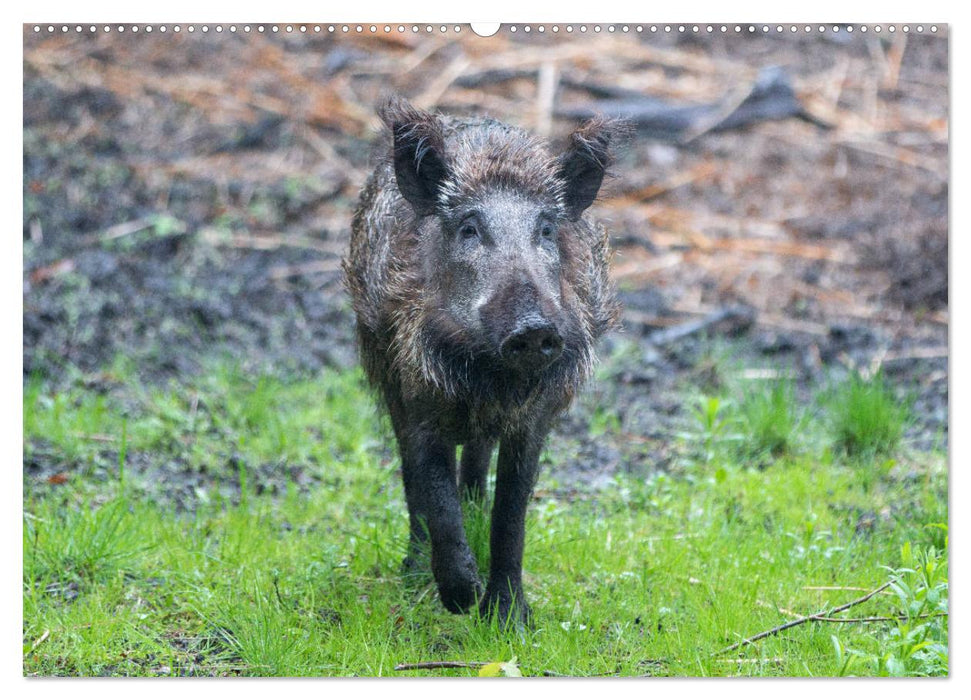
(805, 619)
(268, 241)
(329, 265)
(738, 317)
(545, 97)
(877, 618)
(425, 665)
(40, 640)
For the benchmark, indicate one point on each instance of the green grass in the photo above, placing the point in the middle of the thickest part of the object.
(656, 574)
(867, 419)
(771, 419)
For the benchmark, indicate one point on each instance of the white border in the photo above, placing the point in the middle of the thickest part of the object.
(511, 11)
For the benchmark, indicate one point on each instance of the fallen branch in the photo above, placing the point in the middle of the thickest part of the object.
(793, 324)
(802, 620)
(878, 618)
(329, 265)
(268, 242)
(493, 77)
(772, 97)
(856, 620)
(835, 588)
(931, 353)
(739, 317)
(125, 228)
(425, 665)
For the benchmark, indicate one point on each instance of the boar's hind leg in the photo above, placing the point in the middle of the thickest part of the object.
(428, 467)
(515, 476)
(474, 469)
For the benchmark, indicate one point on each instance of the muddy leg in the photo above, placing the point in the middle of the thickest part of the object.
(428, 467)
(474, 469)
(516, 474)
(417, 559)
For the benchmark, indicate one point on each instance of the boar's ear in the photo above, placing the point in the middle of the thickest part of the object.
(583, 166)
(418, 151)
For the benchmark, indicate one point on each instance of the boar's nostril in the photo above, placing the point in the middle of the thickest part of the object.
(532, 346)
(551, 344)
(517, 345)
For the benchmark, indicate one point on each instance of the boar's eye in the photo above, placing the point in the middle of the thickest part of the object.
(468, 230)
(547, 231)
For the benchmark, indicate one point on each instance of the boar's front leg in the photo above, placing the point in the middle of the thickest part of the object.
(428, 467)
(515, 476)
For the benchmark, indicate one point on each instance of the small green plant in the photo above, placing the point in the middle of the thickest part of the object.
(72, 422)
(771, 419)
(604, 421)
(712, 425)
(865, 416)
(260, 634)
(916, 643)
(85, 543)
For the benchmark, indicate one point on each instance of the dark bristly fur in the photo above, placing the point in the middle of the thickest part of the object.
(470, 239)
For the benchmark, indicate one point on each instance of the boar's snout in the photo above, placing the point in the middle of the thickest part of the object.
(534, 344)
(524, 321)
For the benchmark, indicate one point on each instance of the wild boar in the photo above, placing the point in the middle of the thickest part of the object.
(480, 288)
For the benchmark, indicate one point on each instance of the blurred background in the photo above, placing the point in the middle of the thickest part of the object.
(191, 194)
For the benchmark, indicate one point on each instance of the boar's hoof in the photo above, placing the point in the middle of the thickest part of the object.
(507, 609)
(459, 596)
(459, 588)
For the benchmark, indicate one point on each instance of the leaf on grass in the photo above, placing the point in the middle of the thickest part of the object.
(55, 479)
(497, 669)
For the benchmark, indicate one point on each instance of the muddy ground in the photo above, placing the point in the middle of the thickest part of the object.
(189, 195)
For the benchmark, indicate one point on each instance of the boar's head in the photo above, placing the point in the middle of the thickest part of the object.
(507, 260)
